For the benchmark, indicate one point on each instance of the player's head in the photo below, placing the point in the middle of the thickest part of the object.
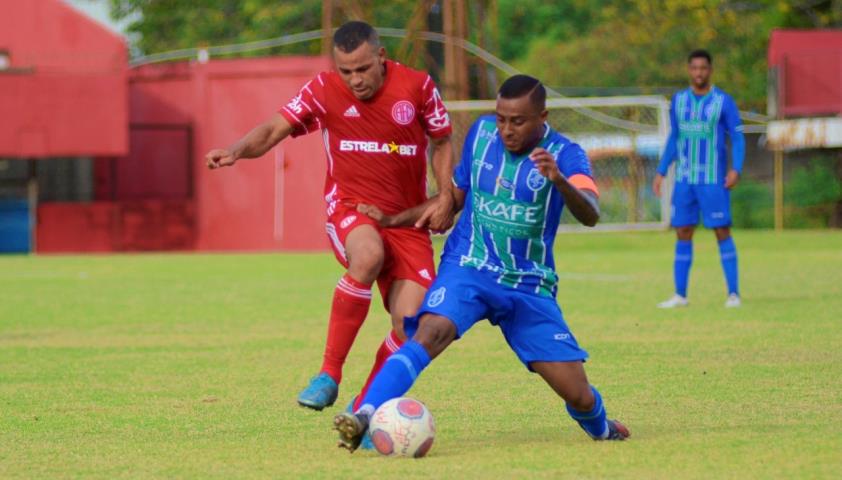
(521, 112)
(699, 66)
(359, 58)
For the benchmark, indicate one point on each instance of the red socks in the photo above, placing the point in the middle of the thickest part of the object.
(389, 346)
(351, 300)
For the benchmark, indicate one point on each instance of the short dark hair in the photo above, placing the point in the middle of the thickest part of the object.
(700, 54)
(351, 35)
(519, 85)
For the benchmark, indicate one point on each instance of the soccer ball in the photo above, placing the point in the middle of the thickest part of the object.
(402, 427)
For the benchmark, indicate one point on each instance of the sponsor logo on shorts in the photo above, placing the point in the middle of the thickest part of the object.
(377, 147)
(717, 215)
(425, 274)
(347, 221)
(403, 112)
(436, 297)
(561, 336)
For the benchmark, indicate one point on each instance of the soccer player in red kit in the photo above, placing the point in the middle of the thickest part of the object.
(375, 117)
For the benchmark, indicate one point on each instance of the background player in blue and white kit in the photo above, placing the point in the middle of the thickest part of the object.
(701, 117)
(515, 176)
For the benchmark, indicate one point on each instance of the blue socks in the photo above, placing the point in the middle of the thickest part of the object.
(728, 255)
(681, 268)
(396, 377)
(594, 421)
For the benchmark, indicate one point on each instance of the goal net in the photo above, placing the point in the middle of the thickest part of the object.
(623, 137)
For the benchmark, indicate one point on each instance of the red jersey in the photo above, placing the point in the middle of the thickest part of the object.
(376, 148)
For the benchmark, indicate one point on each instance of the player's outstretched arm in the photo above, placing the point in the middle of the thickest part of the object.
(582, 203)
(411, 216)
(254, 144)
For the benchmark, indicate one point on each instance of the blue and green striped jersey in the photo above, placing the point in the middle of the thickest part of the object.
(699, 127)
(512, 212)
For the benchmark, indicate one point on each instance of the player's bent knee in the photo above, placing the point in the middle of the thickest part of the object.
(684, 233)
(435, 333)
(366, 261)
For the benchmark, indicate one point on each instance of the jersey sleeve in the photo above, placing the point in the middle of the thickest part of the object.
(574, 164)
(462, 173)
(671, 149)
(305, 111)
(734, 127)
(434, 118)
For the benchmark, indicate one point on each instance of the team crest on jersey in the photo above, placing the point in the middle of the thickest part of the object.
(436, 297)
(403, 112)
(535, 181)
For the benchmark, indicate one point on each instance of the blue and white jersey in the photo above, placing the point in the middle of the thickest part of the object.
(699, 127)
(512, 212)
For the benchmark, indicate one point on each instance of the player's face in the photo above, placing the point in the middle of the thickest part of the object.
(361, 70)
(520, 123)
(699, 70)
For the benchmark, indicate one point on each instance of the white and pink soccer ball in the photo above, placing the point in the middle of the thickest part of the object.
(402, 427)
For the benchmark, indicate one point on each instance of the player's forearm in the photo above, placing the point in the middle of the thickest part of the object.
(738, 151)
(581, 203)
(442, 162)
(254, 144)
(408, 217)
(669, 155)
(261, 138)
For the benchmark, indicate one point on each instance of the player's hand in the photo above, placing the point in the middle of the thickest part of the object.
(656, 184)
(732, 179)
(220, 158)
(375, 214)
(546, 164)
(438, 216)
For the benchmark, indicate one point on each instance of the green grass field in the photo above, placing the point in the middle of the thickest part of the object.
(187, 366)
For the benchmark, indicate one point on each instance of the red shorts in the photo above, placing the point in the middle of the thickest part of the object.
(408, 252)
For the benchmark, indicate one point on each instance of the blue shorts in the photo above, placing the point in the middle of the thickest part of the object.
(714, 202)
(533, 325)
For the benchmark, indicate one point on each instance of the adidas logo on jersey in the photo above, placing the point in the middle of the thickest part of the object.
(352, 112)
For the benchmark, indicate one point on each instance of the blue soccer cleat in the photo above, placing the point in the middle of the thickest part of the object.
(365, 443)
(321, 392)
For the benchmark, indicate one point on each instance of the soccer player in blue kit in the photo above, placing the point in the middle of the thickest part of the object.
(701, 117)
(515, 176)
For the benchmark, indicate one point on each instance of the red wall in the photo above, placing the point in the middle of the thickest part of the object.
(65, 93)
(268, 203)
(809, 65)
(161, 196)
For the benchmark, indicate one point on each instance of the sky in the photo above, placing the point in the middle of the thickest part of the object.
(99, 11)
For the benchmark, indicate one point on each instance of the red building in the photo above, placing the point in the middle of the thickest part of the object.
(113, 157)
(806, 73)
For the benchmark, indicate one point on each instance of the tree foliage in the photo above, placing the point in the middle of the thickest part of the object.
(645, 43)
(567, 43)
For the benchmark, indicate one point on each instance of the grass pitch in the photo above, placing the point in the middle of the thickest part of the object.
(187, 366)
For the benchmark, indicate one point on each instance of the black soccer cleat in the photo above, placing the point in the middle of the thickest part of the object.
(351, 429)
(617, 431)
